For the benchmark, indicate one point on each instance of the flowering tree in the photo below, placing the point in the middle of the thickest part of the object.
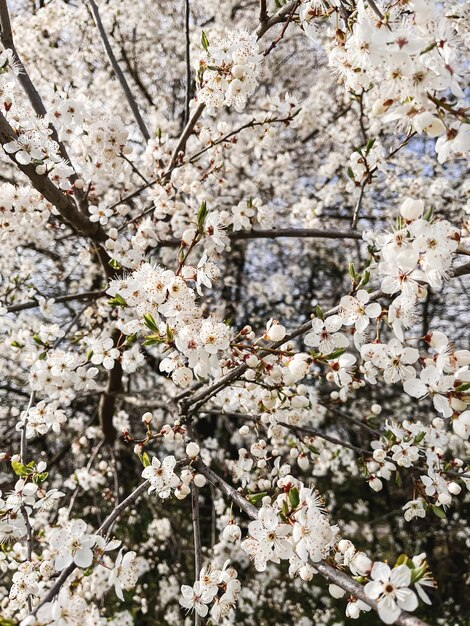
(235, 376)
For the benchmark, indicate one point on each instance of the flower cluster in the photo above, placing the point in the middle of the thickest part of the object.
(220, 586)
(305, 534)
(169, 309)
(419, 49)
(228, 70)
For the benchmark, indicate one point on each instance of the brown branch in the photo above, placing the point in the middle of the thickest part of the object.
(187, 98)
(277, 18)
(283, 31)
(33, 95)
(32, 304)
(60, 200)
(325, 569)
(117, 70)
(263, 14)
(108, 399)
(198, 620)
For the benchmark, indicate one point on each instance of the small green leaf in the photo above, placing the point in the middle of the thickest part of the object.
(114, 264)
(419, 438)
(334, 355)
(254, 498)
(145, 459)
(40, 478)
(294, 497)
(313, 450)
(117, 301)
(369, 145)
(319, 313)
(352, 271)
(151, 323)
(438, 512)
(204, 41)
(402, 559)
(20, 469)
(202, 215)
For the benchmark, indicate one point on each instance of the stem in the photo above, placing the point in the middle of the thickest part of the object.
(117, 70)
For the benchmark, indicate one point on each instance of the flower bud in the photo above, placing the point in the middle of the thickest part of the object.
(147, 418)
(444, 498)
(188, 236)
(375, 484)
(252, 360)
(192, 449)
(336, 591)
(200, 480)
(231, 533)
(379, 455)
(306, 572)
(276, 332)
(454, 488)
(412, 209)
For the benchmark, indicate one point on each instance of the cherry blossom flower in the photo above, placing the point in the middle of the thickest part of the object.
(124, 574)
(195, 598)
(390, 588)
(73, 545)
(325, 335)
(161, 476)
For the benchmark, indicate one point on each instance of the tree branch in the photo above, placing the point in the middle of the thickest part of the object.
(61, 201)
(325, 569)
(32, 304)
(117, 70)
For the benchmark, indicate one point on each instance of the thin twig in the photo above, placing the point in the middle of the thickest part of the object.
(325, 569)
(188, 61)
(32, 304)
(198, 620)
(117, 70)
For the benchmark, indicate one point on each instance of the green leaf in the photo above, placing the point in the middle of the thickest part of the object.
(335, 354)
(402, 560)
(369, 145)
(114, 264)
(438, 512)
(145, 459)
(294, 497)
(151, 323)
(117, 301)
(169, 333)
(428, 215)
(254, 498)
(419, 438)
(152, 340)
(313, 450)
(204, 41)
(365, 278)
(319, 313)
(20, 469)
(40, 478)
(202, 215)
